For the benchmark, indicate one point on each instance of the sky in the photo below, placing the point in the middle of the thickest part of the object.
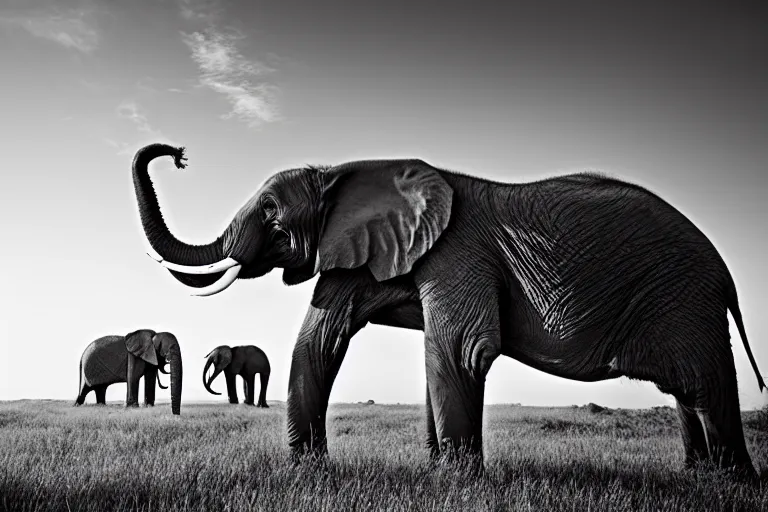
(671, 96)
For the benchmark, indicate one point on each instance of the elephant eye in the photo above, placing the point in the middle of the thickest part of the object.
(269, 209)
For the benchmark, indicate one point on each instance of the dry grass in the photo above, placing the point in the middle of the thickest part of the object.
(221, 457)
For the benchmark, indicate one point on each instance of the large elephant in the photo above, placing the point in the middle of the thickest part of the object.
(112, 359)
(245, 361)
(580, 276)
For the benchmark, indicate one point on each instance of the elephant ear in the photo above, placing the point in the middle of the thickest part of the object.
(384, 214)
(139, 343)
(224, 356)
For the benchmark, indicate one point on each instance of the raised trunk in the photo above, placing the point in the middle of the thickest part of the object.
(158, 235)
(207, 383)
(174, 355)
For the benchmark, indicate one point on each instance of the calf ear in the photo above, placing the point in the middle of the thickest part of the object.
(139, 343)
(384, 214)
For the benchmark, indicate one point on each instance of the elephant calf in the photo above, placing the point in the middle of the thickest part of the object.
(112, 359)
(245, 361)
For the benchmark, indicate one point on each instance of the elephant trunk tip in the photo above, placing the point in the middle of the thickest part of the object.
(179, 158)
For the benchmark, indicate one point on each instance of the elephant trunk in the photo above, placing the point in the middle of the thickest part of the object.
(155, 229)
(213, 266)
(174, 355)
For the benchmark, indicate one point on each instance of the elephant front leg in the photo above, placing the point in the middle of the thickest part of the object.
(462, 340)
(231, 387)
(317, 356)
(150, 379)
(135, 368)
(432, 445)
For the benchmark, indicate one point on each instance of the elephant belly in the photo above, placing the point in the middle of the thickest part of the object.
(526, 337)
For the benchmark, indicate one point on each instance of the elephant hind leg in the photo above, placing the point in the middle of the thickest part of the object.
(101, 394)
(717, 407)
(248, 383)
(84, 390)
(694, 439)
(264, 378)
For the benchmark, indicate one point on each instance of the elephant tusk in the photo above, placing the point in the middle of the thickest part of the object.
(219, 266)
(153, 254)
(227, 279)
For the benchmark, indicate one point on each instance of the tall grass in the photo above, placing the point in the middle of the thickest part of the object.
(222, 457)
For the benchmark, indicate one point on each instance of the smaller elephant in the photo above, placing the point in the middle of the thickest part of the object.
(113, 359)
(245, 361)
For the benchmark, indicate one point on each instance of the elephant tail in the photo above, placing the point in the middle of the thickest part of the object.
(79, 383)
(733, 306)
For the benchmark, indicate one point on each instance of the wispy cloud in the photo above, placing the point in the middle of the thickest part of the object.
(200, 10)
(72, 28)
(225, 70)
(132, 112)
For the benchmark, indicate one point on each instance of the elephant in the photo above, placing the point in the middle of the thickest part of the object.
(245, 361)
(581, 276)
(112, 359)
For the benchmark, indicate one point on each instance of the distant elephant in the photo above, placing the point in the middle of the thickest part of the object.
(580, 276)
(112, 359)
(245, 361)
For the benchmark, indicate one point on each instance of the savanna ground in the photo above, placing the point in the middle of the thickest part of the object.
(221, 457)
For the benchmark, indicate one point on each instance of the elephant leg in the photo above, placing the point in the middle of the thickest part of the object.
(101, 394)
(84, 390)
(717, 406)
(462, 339)
(134, 370)
(150, 380)
(432, 445)
(231, 387)
(322, 343)
(264, 378)
(694, 441)
(248, 388)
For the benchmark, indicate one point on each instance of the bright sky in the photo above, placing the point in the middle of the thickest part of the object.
(671, 97)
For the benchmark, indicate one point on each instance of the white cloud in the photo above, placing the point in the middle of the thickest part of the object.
(199, 10)
(70, 29)
(225, 70)
(132, 112)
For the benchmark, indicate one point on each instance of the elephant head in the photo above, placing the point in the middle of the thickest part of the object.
(156, 348)
(383, 214)
(220, 357)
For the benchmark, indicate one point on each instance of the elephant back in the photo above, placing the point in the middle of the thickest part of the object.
(105, 361)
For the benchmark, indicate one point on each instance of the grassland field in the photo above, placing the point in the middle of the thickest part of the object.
(220, 457)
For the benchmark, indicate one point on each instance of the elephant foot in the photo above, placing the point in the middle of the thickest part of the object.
(130, 404)
(234, 402)
(434, 451)
(309, 448)
(304, 454)
(149, 405)
(464, 457)
(263, 405)
(249, 403)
